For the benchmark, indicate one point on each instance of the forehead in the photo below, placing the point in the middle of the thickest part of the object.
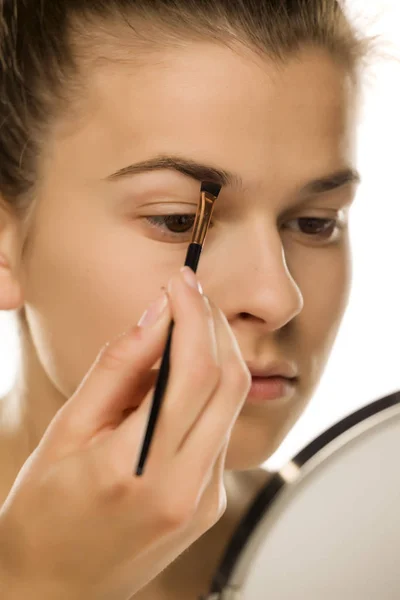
(209, 102)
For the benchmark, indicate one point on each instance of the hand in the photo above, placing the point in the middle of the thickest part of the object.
(77, 522)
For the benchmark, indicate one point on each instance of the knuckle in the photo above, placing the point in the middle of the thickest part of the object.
(109, 479)
(114, 355)
(177, 513)
(238, 374)
(114, 492)
(223, 503)
(246, 378)
(110, 359)
(117, 486)
(215, 509)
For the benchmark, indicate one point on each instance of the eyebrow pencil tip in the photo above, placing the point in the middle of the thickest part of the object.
(211, 188)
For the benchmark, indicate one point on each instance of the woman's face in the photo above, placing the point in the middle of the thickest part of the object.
(99, 251)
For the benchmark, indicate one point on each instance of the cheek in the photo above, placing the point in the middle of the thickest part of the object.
(85, 284)
(324, 278)
(325, 289)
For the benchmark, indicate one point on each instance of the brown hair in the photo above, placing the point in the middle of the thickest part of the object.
(43, 44)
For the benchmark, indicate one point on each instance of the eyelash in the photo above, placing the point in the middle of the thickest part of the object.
(162, 220)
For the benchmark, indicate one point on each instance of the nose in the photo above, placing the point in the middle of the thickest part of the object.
(255, 281)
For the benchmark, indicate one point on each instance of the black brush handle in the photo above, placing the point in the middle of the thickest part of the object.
(193, 256)
(192, 260)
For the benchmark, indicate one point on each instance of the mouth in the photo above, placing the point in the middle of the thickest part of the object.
(276, 387)
(277, 381)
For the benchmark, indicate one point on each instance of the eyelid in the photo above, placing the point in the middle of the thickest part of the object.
(169, 205)
(317, 212)
(163, 211)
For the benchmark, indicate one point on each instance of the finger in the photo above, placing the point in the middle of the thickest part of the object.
(115, 382)
(219, 415)
(210, 501)
(193, 374)
(213, 497)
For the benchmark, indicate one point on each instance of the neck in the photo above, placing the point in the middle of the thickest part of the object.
(32, 403)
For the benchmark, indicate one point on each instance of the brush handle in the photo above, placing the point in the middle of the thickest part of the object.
(192, 260)
(193, 256)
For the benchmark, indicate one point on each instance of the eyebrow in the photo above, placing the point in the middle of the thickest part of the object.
(203, 172)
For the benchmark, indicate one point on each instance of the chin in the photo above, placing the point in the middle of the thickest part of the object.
(252, 443)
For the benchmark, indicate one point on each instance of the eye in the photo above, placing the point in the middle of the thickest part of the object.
(177, 225)
(314, 227)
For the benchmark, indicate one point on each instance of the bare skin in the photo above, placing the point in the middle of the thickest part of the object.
(94, 263)
(184, 574)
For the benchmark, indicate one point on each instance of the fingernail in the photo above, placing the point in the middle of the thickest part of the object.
(191, 279)
(154, 312)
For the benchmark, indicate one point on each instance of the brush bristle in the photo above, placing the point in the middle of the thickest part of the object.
(211, 188)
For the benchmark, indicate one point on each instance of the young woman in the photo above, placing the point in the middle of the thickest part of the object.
(112, 114)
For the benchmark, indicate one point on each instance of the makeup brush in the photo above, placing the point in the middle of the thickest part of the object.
(208, 194)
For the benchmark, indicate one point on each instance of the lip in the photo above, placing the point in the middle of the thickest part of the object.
(277, 368)
(277, 380)
(265, 389)
(273, 380)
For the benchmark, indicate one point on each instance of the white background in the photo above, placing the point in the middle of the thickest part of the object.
(365, 361)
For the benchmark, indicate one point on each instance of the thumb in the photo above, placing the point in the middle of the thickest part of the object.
(116, 382)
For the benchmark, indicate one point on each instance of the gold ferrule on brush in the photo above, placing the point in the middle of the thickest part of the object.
(203, 218)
